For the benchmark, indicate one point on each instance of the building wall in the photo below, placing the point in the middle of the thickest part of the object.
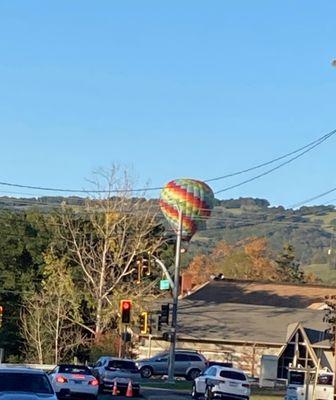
(244, 356)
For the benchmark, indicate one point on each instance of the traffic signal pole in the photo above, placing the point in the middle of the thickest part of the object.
(175, 301)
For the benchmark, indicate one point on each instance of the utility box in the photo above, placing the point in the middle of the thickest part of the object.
(268, 371)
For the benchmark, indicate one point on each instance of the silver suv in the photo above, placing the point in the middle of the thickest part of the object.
(188, 364)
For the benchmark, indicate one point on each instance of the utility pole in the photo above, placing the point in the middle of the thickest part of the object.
(175, 301)
(330, 318)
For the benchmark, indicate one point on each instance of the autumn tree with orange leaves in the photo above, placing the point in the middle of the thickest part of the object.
(250, 259)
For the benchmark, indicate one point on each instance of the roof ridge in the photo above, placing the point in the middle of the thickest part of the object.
(248, 281)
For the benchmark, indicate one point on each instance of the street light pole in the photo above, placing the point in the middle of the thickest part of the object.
(175, 301)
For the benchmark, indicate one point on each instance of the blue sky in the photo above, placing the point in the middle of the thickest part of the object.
(169, 88)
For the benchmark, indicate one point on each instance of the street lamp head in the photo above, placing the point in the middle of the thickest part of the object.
(333, 63)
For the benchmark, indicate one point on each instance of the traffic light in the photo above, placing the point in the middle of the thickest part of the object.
(143, 319)
(165, 314)
(1, 312)
(157, 322)
(125, 309)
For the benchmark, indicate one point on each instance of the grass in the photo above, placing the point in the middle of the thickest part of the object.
(323, 271)
(327, 218)
(179, 385)
(267, 397)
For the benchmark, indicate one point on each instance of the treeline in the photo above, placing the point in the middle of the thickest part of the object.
(250, 259)
(309, 229)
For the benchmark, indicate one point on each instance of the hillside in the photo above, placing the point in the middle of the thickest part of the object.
(309, 229)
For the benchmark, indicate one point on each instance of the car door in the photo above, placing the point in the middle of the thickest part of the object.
(160, 365)
(203, 379)
(182, 363)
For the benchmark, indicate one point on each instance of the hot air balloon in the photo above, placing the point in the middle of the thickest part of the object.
(194, 198)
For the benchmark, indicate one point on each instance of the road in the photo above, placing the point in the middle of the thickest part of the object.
(152, 394)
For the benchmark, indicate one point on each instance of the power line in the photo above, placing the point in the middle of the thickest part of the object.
(270, 170)
(317, 142)
(308, 146)
(301, 203)
(50, 189)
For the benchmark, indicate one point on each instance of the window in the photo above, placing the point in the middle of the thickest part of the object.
(296, 378)
(193, 357)
(236, 376)
(181, 357)
(24, 382)
(325, 380)
(74, 369)
(163, 359)
(121, 364)
(211, 372)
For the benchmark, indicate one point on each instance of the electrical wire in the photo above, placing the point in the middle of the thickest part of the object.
(269, 171)
(318, 141)
(309, 147)
(301, 203)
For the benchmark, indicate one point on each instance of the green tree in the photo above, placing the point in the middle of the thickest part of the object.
(21, 245)
(288, 266)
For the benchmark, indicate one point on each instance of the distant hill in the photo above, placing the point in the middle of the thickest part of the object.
(309, 229)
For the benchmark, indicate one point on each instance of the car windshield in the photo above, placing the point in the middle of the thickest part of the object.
(74, 369)
(325, 380)
(296, 378)
(237, 376)
(24, 382)
(121, 364)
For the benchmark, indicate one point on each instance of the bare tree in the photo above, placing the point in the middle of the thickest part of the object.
(34, 329)
(105, 240)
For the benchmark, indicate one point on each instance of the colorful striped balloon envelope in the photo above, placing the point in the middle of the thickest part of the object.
(194, 198)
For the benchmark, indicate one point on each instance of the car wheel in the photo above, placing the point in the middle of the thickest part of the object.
(194, 393)
(193, 374)
(146, 372)
(208, 393)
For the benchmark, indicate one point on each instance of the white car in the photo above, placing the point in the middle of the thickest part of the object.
(221, 382)
(74, 380)
(25, 384)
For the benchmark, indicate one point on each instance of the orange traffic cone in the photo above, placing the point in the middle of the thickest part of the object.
(129, 391)
(115, 389)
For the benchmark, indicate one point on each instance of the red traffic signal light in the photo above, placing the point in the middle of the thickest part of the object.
(125, 309)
